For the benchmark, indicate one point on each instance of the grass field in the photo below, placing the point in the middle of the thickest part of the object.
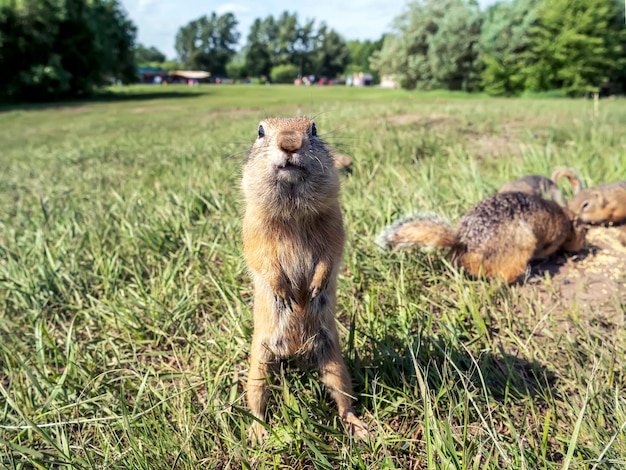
(125, 315)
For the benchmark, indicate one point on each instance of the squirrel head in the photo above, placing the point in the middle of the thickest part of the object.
(588, 205)
(290, 167)
(577, 238)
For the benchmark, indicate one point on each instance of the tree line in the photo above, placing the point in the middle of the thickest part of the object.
(52, 49)
(513, 46)
(58, 49)
(577, 46)
(277, 49)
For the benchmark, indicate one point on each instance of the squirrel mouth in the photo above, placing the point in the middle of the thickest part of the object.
(289, 167)
(289, 172)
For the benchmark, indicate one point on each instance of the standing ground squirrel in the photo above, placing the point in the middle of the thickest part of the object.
(542, 186)
(498, 236)
(601, 204)
(293, 240)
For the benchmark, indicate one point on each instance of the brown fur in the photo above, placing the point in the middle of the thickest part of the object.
(497, 237)
(342, 161)
(573, 178)
(542, 186)
(603, 204)
(293, 240)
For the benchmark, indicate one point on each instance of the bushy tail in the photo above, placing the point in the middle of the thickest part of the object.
(423, 230)
(571, 175)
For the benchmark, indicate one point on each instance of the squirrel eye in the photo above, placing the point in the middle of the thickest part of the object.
(584, 205)
(313, 130)
(261, 132)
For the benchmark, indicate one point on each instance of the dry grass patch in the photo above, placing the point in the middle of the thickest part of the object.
(428, 121)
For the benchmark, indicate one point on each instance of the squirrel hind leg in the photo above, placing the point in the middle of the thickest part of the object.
(512, 266)
(508, 265)
(334, 374)
(258, 388)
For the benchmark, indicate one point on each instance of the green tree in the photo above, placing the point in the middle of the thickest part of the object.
(63, 48)
(360, 53)
(434, 45)
(504, 42)
(114, 41)
(284, 41)
(285, 46)
(236, 68)
(208, 43)
(576, 45)
(27, 49)
(258, 51)
(167, 65)
(330, 55)
(285, 73)
(144, 55)
(453, 49)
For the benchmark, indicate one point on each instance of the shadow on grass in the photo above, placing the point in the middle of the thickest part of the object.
(102, 97)
(500, 375)
(557, 262)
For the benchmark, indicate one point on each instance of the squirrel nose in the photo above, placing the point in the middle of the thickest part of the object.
(289, 141)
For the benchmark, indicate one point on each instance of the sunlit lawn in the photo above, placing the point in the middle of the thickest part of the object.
(125, 307)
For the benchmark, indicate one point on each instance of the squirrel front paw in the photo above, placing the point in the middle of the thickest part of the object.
(321, 278)
(282, 289)
(316, 289)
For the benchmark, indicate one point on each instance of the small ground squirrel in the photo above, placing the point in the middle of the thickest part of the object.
(497, 237)
(293, 240)
(542, 186)
(603, 204)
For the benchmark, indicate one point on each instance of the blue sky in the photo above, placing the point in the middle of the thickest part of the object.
(158, 21)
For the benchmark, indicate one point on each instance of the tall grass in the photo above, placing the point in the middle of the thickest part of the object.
(125, 307)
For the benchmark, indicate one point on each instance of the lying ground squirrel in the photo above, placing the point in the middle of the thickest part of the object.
(497, 237)
(542, 186)
(293, 240)
(603, 204)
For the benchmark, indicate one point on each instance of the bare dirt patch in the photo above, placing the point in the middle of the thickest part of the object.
(510, 138)
(233, 111)
(73, 109)
(155, 109)
(482, 145)
(431, 120)
(494, 146)
(593, 280)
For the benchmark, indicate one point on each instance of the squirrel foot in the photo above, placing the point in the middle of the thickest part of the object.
(257, 434)
(356, 427)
